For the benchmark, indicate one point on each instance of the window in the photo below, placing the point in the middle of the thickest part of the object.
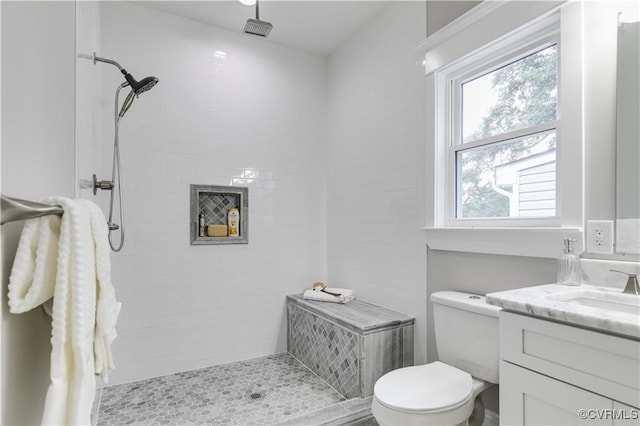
(500, 111)
(504, 130)
(503, 139)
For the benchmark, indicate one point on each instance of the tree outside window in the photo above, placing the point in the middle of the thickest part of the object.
(505, 159)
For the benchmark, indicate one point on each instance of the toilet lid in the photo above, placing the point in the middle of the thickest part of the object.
(430, 387)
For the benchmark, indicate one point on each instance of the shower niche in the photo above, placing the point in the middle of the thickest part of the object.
(210, 208)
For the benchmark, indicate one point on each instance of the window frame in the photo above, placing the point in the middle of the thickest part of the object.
(482, 62)
(491, 25)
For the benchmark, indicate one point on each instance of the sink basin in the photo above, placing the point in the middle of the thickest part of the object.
(600, 298)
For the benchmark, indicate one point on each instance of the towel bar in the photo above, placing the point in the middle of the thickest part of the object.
(14, 209)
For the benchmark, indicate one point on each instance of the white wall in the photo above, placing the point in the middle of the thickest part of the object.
(256, 119)
(37, 161)
(441, 13)
(376, 151)
(89, 151)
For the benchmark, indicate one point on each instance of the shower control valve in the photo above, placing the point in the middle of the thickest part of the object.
(101, 184)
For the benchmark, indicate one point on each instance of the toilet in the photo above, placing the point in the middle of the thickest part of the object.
(445, 392)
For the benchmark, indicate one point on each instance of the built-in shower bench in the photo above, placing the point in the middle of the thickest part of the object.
(348, 345)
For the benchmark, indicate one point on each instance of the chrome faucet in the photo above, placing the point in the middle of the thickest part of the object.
(632, 286)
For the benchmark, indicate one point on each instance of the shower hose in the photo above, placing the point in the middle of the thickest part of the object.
(116, 176)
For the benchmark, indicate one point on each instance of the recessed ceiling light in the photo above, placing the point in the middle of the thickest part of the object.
(248, 2)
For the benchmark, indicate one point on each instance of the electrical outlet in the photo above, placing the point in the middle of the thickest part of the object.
(600, 236)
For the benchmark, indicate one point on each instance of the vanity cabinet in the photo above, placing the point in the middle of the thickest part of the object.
(557, 374)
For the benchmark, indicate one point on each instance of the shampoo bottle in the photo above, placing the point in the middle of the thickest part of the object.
(234, 222)
(201, 225)
(569, 272)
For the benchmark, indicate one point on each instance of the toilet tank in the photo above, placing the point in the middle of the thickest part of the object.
(466, 329)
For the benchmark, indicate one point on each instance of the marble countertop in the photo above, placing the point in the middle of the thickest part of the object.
(549, 301)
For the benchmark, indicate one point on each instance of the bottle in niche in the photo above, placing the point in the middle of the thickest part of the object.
(201, 231)
(569, 271)
(233, 220)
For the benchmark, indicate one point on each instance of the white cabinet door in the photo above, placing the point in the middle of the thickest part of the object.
(529, 398)
(601, 363)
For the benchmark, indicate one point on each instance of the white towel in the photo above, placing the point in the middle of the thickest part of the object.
(68, 259)
(345, 295)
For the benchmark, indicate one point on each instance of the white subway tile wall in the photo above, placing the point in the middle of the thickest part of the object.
(254, 118)
(260, 118)
(376, 157)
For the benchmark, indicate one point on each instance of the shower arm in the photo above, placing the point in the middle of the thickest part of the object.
(108, 61)
(129, 98)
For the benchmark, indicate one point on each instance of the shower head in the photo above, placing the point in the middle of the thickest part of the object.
(140, 86)
(127, 101)
(256, 26)
(137, 87)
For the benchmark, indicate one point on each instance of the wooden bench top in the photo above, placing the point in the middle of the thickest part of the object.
(357, 315)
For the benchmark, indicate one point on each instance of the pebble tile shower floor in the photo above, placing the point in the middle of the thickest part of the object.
(262, 391)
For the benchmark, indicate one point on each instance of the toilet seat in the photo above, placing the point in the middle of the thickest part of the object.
(429, 388)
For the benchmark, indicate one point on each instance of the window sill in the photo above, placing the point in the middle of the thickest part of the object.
(532, 242)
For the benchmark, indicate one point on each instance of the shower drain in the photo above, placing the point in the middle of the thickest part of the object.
(256, 395)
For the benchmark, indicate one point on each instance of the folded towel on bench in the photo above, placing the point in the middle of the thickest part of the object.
(345, 295)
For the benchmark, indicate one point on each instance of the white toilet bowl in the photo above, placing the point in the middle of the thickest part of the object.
(431, 394)
(446, 392)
